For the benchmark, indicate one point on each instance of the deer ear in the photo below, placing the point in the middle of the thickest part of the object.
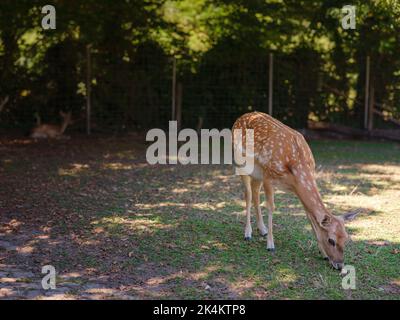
(325, 222)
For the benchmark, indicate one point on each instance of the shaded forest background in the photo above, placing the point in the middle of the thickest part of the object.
(221, 50)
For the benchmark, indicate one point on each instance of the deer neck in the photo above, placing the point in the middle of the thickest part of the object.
(316, 211)
(307, 191)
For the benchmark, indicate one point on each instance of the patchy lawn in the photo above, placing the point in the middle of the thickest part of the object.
(115, 227)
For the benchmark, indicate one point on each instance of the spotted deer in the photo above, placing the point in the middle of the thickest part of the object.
(283, 159)
(43, 131)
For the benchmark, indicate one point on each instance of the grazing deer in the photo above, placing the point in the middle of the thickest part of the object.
(282, 158)
(43, 131)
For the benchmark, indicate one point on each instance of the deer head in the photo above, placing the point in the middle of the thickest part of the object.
(66, 121)
(333, 237)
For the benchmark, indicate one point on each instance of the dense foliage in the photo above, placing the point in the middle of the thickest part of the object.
(221, 48)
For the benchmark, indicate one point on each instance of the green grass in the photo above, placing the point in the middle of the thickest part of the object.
(177, 231)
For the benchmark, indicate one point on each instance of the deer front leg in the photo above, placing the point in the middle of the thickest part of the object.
(247, 184)
(269, 195)
(255, 188)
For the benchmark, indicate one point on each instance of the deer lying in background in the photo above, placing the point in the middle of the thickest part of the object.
(283, 158)
(43, 131)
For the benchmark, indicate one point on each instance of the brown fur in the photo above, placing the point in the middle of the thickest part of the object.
(43, 131)
(286, 161)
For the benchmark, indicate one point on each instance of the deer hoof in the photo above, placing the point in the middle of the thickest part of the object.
(247, 238)
(264, 234)
(271, 249)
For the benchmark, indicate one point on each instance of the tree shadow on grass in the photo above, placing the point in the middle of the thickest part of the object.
(199, 258)
(117, 231)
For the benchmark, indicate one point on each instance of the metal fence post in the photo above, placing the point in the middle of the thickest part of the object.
(270, 82)
(366, 102)
(173, 113)
(371, 108)
(179, 106)
(88, 89)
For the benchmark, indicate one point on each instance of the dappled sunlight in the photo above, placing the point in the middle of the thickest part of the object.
(286, 275)
(76, 169)
(179, 190)
(385, 228)
(8, 227)
(378, 175)
(380, 218)
(25, 249)
(241, 286)
(212, 206)
(69, 275)
(372, 187)
(13, 142)
(214, 244)
(123, 166)
(60, 296)
(336, 187)
(203, 274)
(196, 205)
(130, 154)
(383, 201)
(221, 205)
(379, 169)
(177, 231)
(86, 242)
(374, 182)
(158, 205)
(224, 178)
(375, 189)
(102, 291)
(7, 292)
(201, 281)
(136, 225)
(117, 166)
(203, 206)
(7, 161)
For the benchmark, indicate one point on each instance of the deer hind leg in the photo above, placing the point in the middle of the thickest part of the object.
(247, 194)
(269, 195)
(255, 189)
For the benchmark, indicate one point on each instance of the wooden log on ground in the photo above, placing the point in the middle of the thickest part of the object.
(386, 118)
(354, 133)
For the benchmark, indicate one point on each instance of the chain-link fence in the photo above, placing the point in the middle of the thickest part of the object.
(145, 88)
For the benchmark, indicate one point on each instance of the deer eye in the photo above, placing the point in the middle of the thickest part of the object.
(332, 242)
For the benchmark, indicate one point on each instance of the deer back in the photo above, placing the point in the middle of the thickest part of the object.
(278, 149)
